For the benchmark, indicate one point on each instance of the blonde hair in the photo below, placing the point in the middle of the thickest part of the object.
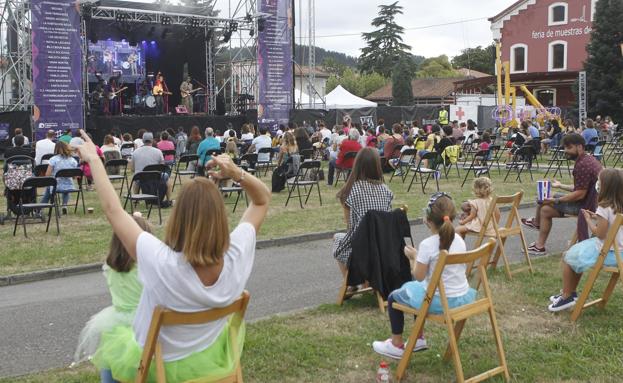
(483, 188)
(198, 225)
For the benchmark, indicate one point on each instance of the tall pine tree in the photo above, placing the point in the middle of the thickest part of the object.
(402, 92)
(604, 66)
(384, 45)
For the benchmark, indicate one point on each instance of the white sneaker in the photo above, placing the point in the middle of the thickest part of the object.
(386, 348)
(420, 345)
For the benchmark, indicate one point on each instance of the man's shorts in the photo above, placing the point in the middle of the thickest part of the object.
(567, 208)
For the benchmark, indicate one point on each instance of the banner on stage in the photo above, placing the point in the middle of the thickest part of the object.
(274, 60)
(57, 66)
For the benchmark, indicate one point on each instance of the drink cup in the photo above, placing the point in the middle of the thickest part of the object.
(543, 190)
(90, 210)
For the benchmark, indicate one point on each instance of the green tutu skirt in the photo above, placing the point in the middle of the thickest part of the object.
(120, 353)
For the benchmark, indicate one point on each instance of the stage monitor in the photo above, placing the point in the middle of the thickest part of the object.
(109, 58)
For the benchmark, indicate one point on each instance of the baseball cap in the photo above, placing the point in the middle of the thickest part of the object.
(148, 137)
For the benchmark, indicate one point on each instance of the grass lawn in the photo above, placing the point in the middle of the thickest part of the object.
(84, 239)
(333, 344)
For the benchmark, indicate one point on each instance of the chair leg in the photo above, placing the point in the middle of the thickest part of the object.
(342, 292)
(404, 361)
(380, 301)
(298, 192)
(458, 329)
(498, 341)
(236, 203)
(311, 189)
(454, 351)
(319, 195)
(466, 175)
(524, 247)
(411, 183)
(614, 278)
(84, 209)
(58, 228)
(174, 181)
(290, 190)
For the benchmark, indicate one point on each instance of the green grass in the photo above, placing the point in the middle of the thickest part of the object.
(333, 344)
(84, 239)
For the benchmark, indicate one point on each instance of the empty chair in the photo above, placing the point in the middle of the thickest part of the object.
(122, 165)
(186, 166)
(307, 176)
(24, 208)
(426, 172)
(141, 179)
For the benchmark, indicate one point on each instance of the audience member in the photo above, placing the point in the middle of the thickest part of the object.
(66, 136)
(589, 133)
(195, 139)
(287, 149)
(208, 144)
(18, 148)
(127, 140)
(260, 142)
(18, 132)
(302, 139)
(138, 141)
(583, 255)
(482, 189)
(199, 266)
(109, 145)
(363, 191)
(45, 146)
(439, 216)
(349, 145)
(166, 144)
(394, 140)
(582, 195)
(62, 159)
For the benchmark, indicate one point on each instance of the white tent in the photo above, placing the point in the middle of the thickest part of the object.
(340, 98)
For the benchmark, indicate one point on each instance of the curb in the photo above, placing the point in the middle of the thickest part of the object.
(36, 276)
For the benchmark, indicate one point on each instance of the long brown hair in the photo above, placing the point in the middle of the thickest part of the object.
(441, 212)
(62, 149)
(611, 184)
(198, 224)
(367, 167)
(194, 134)
(118, 258)
(290, 142)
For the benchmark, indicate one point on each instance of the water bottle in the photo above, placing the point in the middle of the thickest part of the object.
(383, 374)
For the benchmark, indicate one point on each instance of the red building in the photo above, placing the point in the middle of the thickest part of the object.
(545, 42)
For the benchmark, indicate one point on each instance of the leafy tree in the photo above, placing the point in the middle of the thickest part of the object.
(604, 66)
(358, 84)
(479, 58)
(436, 67)
(384, 45)
(332, 66)
(402, 92)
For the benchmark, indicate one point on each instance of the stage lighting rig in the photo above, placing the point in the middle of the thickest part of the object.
(233, 26)
(251, 32)
(121, 17)
(165, 20)
(194, 23)
(227, 35)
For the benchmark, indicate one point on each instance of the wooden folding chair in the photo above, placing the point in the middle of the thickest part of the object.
(344, 294)
(455, 318)
(616, 272)
(163, 317)
(511, 228)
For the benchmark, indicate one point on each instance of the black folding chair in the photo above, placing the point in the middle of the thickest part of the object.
(248, 162)
(598, 151)
(126, 153)
(26, 208)
(344, 171)
(307, 175)
(235, 188)
(478, 165)
(40, 170)
(426, 172)
(141, 179)
(170, 164)
(46, 157)
(403, 165)
(307, 154)
(521, 160)
(264, 163)
(556, 162)
(162, 168)
(496, 153)
(78, 175)
(185, 161)
(122, 165)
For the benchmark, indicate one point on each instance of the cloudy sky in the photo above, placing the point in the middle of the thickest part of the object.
(339, 23)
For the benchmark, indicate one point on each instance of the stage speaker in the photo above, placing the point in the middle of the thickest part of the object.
(181, 109)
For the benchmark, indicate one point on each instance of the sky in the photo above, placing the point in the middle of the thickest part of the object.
(339, 23)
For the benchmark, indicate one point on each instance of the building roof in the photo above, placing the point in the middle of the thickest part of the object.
(497, 21)
(519, 78)
(508, 10)
(304, 71)
(471, 73)
(422, 88)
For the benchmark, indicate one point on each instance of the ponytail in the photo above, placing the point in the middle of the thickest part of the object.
(446, 234)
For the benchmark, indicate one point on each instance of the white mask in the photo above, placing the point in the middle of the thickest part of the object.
(597, 186)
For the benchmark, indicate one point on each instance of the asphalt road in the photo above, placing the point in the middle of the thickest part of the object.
(40, 322)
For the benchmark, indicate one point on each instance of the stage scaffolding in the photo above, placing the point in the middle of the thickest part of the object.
(241, 23)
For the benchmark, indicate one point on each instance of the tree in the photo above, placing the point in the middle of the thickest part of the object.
(384, 45)
(332, 66)
(402, 92)
(604, 66)
(436, 67)
(479, 58)
(358, 84)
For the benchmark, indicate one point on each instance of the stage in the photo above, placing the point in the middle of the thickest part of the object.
(99, 126)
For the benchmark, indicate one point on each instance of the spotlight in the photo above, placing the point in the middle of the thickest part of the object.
(120, 17)
(164, 34)
(166, 20)
(194, 23)
(123, 40)
(153, 42)
(261, 25)
(233, 26)
(248, 18)
(251, 32)
(226, 36)
(143, 42)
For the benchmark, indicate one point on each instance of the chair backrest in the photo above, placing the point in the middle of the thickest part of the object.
(482, 253)
(169, 153)
(350, 155)
(307, 154)
(187, 158)
(69, 173)
(144, 176)
(163, 317)
(408, 152)
(451, 154)
(429, 156)
(249, 158)
(40, 170)
(513, 202)
(39, 182)
(526, 150)
(20, 159)
(46, 157)
(127, 146)
(161, 168)
(117, 162)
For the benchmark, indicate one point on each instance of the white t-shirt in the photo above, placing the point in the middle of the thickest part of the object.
(609, 215)
(117, 141)
(43, 147)
(326, 133)
(406, 158)
(170, 281)
(247, 136)
(138, 143)
(453, 276)
(261, 142)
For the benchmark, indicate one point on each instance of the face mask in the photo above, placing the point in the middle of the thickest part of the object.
(597, 186)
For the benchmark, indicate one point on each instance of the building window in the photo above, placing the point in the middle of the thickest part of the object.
(558, 14)
(519, 58)
(547, 97)
(593, 5)
(557, 60)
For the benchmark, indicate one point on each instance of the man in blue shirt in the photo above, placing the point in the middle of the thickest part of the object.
(589, 133)
(210, 143)
(534, 131)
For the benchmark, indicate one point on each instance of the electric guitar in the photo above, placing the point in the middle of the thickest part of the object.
(112, 95)
(186, 94)
(158, 91)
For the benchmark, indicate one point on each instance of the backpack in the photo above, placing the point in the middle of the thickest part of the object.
(16, 174)
(279, 178)
(181, 141)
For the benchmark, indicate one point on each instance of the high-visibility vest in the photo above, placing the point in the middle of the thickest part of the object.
(443, 117)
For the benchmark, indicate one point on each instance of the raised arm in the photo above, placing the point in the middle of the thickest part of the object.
(256, 190)
(124, 226)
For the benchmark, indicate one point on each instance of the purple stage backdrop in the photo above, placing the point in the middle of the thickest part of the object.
(57, 66)
(274, 60)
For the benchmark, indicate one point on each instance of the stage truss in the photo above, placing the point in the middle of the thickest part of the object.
(241, 23)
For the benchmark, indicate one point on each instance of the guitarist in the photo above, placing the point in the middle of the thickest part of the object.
(186, 89)
(114, 103)
(159, 91)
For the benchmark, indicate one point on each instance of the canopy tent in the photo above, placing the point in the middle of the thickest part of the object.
(340, 98)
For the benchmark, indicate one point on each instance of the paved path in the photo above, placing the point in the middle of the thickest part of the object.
(40, 322)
